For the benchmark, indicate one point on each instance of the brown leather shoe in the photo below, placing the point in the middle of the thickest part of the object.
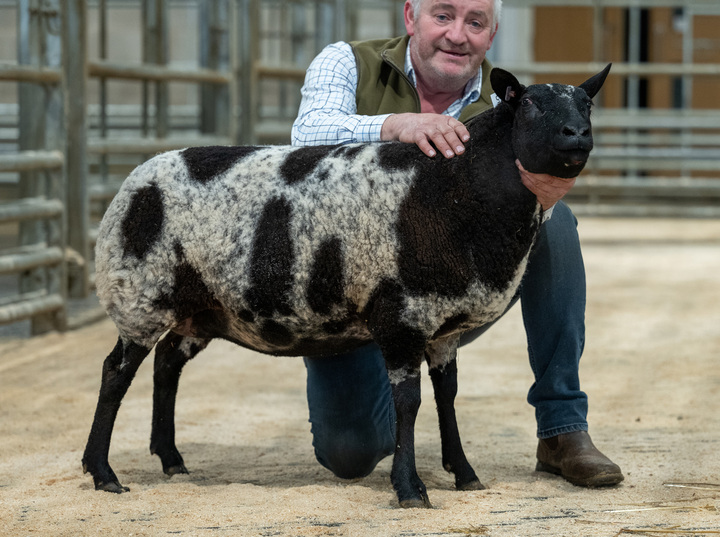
(574, 457)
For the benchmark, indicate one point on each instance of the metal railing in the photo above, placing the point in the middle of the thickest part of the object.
(73, 151)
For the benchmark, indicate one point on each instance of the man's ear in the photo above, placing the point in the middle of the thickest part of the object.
(409, 13)
(506, 86)
(492, 36)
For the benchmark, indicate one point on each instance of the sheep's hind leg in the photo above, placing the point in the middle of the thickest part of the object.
(171, 355)
(118, 372)
(444, 380)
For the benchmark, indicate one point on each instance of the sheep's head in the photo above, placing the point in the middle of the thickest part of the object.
(551, 132)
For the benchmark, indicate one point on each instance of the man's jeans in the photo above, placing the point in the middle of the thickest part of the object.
(349, 397)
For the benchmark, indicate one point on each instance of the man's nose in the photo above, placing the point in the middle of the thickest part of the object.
(456, 32)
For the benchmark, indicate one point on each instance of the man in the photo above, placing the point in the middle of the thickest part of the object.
(419, 89)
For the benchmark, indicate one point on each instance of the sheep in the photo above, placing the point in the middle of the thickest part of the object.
(317, 250)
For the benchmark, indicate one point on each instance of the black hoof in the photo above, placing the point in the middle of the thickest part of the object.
(416, 503)
(172, 461)
(112, 486)
(471, 485)
(176, 469)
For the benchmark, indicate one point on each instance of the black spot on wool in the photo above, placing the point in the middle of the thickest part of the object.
(271, 261)
(400, 344)
(204, 163)
(451, 325)
(246, 316)
(143, 221)
(349, 152)
(301, 162)
(189, 294)
(396, 156)
(275, 333)
(325, 288)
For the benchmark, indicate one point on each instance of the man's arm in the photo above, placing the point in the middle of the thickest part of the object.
(328, 109)
(548, 189)
(446, 133)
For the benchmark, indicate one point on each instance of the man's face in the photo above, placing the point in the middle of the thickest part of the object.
(450, 38)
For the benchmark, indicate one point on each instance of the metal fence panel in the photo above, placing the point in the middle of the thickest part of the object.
(72, 144)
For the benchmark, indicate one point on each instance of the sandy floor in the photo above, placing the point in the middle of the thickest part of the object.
(650, 369)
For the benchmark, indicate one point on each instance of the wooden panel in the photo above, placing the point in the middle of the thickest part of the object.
(706, 50)
(563, 34)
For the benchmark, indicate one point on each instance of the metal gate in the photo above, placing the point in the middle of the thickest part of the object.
(97, 93)
(69, 153)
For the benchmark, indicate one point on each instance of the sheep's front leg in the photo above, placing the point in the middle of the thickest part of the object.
(171, 355)
(118, 372)
(441, 358)
(409, 487)
(402, 347)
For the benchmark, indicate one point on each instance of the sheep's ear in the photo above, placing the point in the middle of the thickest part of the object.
(506, 86)
(592, 85)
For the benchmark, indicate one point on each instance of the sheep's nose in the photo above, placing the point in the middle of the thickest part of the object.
(575, 130)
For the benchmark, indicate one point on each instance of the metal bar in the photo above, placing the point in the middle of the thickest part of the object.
(234, 68)
(17, 262)
(635, 163)
(102, 43)
(31, 160)
(660, 139)
(30, 209)
(215, 54)
(78, 207)
(687, 56)
(618, 68)
(657, 119)
(27, 73)
(279, 71)
(706, 6)
(249, 33)
(40, 122)
(645, 211)
(657, 186)
(151, 145)
(162, 90)
(27, 307)
(633, 38)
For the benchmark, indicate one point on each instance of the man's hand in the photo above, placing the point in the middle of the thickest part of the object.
(548, 189)
(446, 133)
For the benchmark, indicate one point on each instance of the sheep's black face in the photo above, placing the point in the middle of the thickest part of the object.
(552, 132)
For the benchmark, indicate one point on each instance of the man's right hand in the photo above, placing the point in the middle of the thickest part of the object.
(427, 130)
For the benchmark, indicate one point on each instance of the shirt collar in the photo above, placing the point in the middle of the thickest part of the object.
(471, 93)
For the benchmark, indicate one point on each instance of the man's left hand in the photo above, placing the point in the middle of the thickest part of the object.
(548, 189)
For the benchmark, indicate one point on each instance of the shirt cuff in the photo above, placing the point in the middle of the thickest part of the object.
(368, 128)
(547, 215)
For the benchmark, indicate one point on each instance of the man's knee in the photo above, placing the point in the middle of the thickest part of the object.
(353, 453)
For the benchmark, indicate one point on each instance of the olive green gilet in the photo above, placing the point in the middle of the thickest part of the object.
(384, 88)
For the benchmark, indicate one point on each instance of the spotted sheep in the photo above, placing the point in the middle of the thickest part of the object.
(317, 250)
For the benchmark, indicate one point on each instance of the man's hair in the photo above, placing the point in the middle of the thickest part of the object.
(497, 10)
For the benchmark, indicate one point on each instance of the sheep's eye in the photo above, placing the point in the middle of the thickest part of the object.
(527, 101)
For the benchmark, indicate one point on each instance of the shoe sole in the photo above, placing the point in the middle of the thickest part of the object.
(599, 480)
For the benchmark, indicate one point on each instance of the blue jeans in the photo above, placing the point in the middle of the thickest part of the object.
(349, 397)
